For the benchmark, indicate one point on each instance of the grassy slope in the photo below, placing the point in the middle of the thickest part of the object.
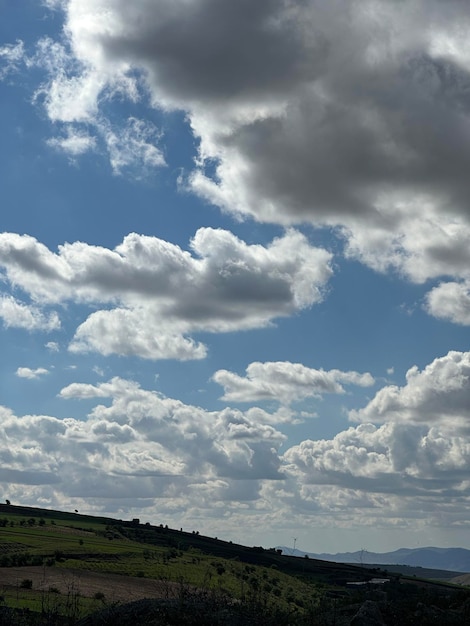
(72, 540)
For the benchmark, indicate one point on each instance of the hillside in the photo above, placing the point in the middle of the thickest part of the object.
(66, 567)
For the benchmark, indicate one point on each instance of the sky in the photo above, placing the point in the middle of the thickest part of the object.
(235, 266)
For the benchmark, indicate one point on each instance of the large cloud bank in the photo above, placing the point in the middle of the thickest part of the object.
(412, 449)
(347, 114)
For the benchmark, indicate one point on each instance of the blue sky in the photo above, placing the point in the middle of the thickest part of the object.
(235, 267)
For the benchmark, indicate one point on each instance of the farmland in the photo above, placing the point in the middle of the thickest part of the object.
(64, 566)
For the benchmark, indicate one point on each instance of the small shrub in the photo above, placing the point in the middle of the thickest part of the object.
(26, 583)
(99, 595)
(54, 590)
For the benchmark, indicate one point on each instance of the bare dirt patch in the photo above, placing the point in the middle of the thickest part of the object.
(464, 579)
(116, 588)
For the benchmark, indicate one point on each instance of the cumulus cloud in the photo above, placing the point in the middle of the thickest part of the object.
(413, 440)
(27, 372)
(139, 434)
(393, 458)
(16, 314)
(108, 332)
(139, 445)
(156, 294)
(450, 301)
(439, 394)
(347, 114)
(285, 382)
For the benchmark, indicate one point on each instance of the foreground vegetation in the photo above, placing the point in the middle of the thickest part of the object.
(99, 564)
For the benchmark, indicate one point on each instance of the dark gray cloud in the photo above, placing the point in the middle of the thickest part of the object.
(212, 49)
(351, 114)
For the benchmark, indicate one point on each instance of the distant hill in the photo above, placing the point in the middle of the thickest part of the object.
(453, 559)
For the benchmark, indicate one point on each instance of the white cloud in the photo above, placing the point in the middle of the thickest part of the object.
(71, 98)
(54, 4)
(52, 346)
(32, 374)
(11, 57)
(285, 382)
(421, 447)
(437, 395)
(71, 95)
(159, 294)
(141, 433)
(450, 301)
(16, 314)
(134, 145)
(400, 459)
(134, 333)
(75, 142)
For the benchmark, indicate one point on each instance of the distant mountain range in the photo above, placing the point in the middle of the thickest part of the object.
(455, 559)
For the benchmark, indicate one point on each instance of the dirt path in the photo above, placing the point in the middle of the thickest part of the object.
(115, 588)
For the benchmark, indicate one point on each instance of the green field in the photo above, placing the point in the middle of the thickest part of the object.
(296, 590)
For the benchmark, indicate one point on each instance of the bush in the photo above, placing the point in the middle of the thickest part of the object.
(26, 583)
